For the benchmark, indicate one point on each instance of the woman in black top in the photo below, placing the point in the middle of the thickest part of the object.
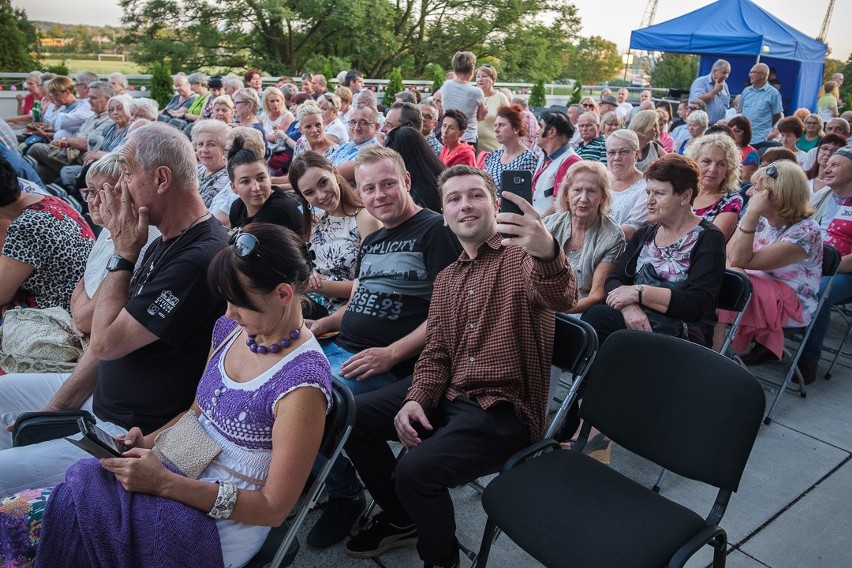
(259, 200)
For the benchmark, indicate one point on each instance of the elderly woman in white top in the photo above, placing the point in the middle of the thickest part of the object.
(591, 240)
(629, 208)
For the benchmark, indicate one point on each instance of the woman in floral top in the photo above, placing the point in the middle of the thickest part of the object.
(335, 231)
(779, 246)
(668, 278)
(718, 200)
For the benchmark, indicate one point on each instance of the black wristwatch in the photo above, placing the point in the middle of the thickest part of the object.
(118, 262)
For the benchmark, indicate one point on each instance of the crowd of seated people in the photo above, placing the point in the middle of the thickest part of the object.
(379, 228)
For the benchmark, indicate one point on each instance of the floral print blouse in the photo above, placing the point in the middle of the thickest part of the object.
(671, 263)
(803, 276)
(336, 242)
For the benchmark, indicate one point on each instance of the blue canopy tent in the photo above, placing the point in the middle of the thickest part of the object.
(741, 32)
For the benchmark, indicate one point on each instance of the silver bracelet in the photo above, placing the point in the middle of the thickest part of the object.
(226, 500)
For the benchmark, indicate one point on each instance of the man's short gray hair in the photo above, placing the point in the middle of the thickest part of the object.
(720, 64)
(85, 77)
(232, 80)
(160, 145)
(107, 90)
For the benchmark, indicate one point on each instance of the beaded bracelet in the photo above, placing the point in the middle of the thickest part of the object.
(226, 500)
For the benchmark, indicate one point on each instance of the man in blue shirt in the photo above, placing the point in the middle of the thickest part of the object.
(713, 90)
(760, 103)
(362, 132)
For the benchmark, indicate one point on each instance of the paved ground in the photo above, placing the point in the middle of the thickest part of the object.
(793, 509)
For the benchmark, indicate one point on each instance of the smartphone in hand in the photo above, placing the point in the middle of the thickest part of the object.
(518, 182)
(97, 442)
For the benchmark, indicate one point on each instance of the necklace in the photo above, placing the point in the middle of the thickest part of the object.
(159, 259)
(255, 347)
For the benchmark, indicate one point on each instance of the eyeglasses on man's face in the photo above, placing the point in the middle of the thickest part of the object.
(362, 123)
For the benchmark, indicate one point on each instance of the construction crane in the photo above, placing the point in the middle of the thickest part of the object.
(823, 32)
(647, 20)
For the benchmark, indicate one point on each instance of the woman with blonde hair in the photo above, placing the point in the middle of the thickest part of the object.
(647, 128)
(589, 104)
(812, 134)
(827, 103)
(312, 127)
(590, 238)
(718, 200)
(779, 247)
(486, 76)
(275, 118)
(335, 130)
(610, 122)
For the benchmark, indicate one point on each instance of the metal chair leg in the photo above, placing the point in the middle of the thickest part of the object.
(663, 474)
(839, 349)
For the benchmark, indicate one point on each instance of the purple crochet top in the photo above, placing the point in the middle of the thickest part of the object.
(242, 412)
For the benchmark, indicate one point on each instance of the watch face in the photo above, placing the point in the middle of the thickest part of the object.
(118, 263)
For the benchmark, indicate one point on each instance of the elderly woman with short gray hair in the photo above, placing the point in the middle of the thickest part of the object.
(246, 107)
(696, 124)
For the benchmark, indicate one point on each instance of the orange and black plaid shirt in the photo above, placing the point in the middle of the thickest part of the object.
(489, 334)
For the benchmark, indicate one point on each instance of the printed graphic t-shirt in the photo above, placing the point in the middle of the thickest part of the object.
(396, 270)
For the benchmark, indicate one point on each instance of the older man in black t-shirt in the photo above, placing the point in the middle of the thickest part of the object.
(150, 330)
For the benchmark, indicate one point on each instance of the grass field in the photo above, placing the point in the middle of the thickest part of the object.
(95, 66)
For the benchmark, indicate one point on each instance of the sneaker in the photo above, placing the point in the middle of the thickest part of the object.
(337, 520)
(380, 536)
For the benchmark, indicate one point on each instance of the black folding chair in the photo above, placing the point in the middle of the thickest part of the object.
(830, 263)
(281, 546)
(843, 310)
(673, 402)
(734, 296)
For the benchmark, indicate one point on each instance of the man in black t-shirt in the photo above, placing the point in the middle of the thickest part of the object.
(150, 330)
(383, 327)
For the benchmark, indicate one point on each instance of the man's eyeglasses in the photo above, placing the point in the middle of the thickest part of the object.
(362, 123)
(619, 153)
(692, 108)
(811, 122)
(240, 102)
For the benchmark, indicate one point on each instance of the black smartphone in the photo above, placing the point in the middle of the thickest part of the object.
(97, 442)
(518, 182)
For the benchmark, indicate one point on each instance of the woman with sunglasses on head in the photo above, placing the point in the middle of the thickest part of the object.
(334, 128)
(262, 401)
(259, 200)
(335, 222)
(779, 247)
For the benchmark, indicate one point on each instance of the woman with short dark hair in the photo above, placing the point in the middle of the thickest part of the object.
(668, 278)
(456, 151)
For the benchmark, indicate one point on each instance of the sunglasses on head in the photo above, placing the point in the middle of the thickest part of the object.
(772, 171)
(245, 244)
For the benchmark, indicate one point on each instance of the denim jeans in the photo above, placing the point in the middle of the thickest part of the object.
(841, 291)
(342, 481)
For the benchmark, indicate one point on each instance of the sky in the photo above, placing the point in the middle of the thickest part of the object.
(612, 19)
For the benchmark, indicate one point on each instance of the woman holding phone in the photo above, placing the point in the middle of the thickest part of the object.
(262, 399)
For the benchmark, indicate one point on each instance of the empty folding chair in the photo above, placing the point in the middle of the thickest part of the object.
(280, 547)
(734, 296)
(670, 401)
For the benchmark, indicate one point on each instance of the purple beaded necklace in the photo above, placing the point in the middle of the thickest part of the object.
(254, 347)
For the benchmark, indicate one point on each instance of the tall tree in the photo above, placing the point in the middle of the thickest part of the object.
(372, 35)
(593, 60)
(18, 39)
(675, 70)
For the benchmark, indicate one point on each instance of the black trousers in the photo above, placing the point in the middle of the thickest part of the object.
(466, 442)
